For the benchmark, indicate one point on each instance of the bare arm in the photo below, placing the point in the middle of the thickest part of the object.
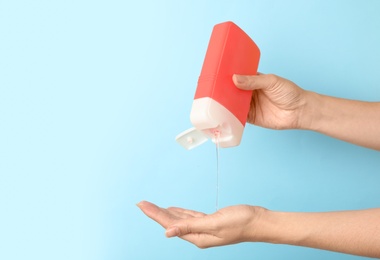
(353, 121)
(352, 232)
(278, 103)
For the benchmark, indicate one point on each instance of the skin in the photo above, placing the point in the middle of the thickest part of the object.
(278, 103)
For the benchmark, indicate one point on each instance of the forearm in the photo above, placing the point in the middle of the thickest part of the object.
(348, 120)
(352, 232)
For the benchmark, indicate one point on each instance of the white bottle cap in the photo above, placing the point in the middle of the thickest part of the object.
(210, 120)
(191, 138)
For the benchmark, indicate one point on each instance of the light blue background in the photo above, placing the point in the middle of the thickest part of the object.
(92, 94)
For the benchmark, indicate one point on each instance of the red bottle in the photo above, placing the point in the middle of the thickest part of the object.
(219, 108)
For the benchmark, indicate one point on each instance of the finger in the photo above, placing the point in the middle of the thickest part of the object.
(149, 209)
(160, 215)
(260, 81)
(179, 214)
(192, 213)
(203, 240)
(205, 225)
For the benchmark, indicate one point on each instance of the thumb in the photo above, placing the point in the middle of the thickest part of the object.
(188, 226)
(253, 82)
(172, 232)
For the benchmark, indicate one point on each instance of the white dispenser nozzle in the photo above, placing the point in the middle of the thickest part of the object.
(211, 120)
(191, 138)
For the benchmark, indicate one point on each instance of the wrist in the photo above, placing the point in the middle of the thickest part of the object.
(265, 223)
(310, 112)
(265, 226)
(278, 228)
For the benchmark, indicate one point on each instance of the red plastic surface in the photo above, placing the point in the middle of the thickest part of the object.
(230, 51)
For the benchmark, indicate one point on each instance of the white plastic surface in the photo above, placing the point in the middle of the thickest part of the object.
(210, 118)
(191, 138)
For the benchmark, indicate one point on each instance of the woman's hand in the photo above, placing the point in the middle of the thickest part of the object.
(353, 232)
(276, 103)
(229, 225)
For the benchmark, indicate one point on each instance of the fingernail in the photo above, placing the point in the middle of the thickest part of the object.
(240, 79)
(172, 232)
